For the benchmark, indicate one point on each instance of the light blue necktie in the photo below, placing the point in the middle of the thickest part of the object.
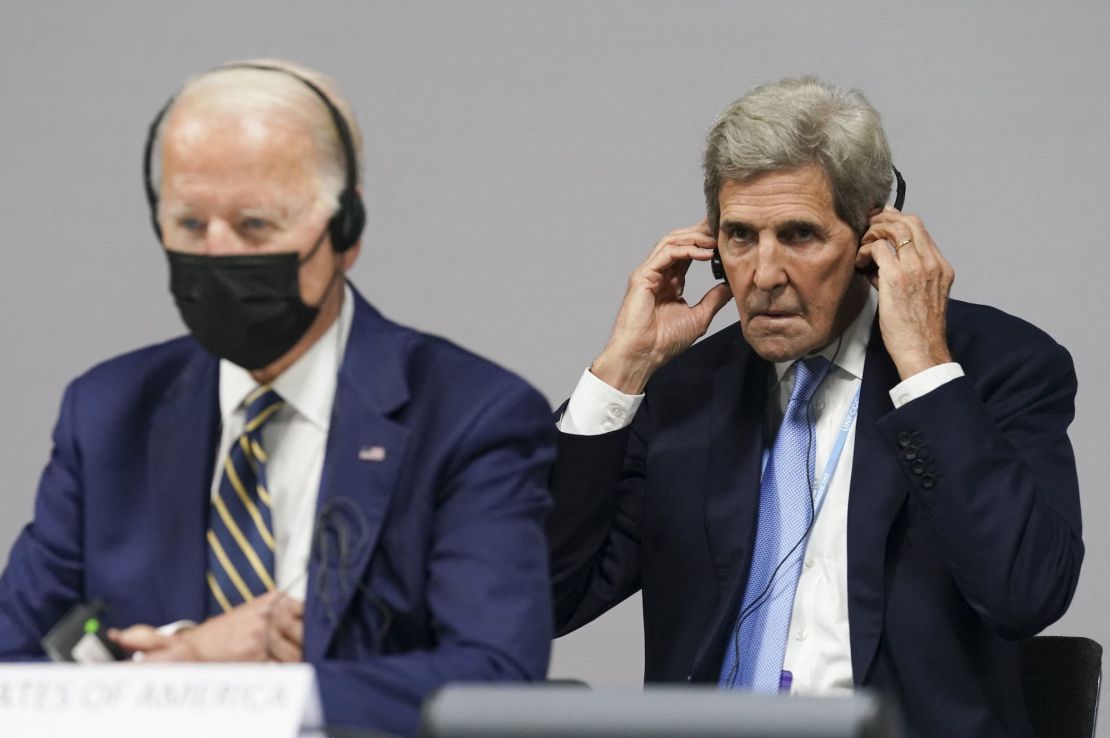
(753, 659)
(240, 524)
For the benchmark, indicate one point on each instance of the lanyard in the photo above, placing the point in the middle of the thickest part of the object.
(834, 455)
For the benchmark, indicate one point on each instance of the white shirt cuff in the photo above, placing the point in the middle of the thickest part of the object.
(175, 627)
(166, 630)
(595, 408)
(924, 382)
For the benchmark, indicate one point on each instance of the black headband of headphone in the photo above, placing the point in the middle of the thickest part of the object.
(899, 189)
(345, 225)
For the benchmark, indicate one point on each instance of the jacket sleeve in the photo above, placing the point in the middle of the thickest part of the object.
(488, 589)
(989, 459)
(594, 530)
(45, 572)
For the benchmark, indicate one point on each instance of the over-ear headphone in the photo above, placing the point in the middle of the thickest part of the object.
(899, 200)
(717, 266)
(345, 225)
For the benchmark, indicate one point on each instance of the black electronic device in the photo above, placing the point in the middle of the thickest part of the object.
(535, 711)
(345, 225)
(81, 637)
(899, 200)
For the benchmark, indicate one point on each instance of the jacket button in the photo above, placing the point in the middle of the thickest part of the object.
(928, 481)
(904, 439)
(911, 453)
(918, 467)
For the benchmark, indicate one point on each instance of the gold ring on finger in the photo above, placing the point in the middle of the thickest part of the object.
(903, 243)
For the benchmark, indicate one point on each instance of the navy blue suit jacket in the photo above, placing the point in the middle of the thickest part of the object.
(963, 519)
(445, 576)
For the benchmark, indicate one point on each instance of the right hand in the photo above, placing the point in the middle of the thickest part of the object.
(268, 628)
(655, 324)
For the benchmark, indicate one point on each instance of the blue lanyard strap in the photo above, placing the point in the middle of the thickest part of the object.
(834, 455)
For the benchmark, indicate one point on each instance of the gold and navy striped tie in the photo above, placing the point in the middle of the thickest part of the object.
(240, 523)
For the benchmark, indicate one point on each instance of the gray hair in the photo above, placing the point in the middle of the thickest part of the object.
(797, 122)
(238, 88)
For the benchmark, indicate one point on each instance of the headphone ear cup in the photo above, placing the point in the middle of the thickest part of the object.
(717, 266)
(346, 225)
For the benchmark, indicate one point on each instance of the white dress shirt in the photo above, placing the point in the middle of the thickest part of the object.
(295, 440)
(818, 648)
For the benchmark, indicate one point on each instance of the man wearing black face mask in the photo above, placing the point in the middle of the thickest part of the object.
(300, 479)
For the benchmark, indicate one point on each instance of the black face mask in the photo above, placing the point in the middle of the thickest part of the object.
(246, 309)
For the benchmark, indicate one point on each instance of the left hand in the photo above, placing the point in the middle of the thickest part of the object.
(913, 281)
(269, 628)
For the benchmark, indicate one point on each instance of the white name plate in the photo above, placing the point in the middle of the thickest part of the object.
(174, 701)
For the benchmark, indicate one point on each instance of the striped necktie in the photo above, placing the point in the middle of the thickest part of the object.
(240, 523)
(753, 659)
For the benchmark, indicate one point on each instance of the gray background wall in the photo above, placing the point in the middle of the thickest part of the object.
(523, 157)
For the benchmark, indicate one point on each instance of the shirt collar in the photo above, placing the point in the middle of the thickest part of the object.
(851, 349)
(308, 385)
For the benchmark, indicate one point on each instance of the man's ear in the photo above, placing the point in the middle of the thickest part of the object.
(870, 214)
(349, 256)
(865, 263)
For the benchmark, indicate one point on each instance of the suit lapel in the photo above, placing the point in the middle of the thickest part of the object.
(875, 498)
(732, 498)
(185, 429)
(365, 448)
(732, 489)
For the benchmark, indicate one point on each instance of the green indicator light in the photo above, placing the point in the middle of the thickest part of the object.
(92, 625)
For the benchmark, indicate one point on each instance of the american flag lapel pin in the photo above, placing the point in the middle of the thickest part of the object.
(371, 453)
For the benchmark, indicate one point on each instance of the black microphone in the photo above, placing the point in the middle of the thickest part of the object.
(339, 538)
(81, 637)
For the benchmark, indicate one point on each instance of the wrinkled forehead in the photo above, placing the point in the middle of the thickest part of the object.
(201, 129)
(202, 134)
(794, 193)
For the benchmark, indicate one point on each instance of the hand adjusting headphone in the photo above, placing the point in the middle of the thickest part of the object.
(345, 225)
(899, 200)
